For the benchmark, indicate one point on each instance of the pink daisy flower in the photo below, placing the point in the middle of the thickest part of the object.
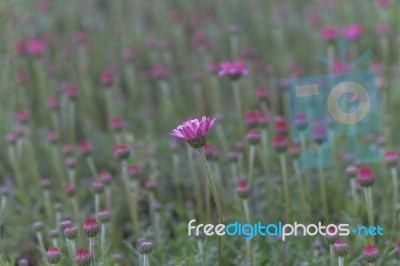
(194, 131)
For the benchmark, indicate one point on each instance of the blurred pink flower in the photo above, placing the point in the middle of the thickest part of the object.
(382, 29)
(233, 70)
(353, 32)
(329, 33)
(35, 47)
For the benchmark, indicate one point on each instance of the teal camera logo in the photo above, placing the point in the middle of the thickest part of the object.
(338, 104)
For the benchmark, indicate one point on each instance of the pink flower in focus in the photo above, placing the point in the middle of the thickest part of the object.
(233, 70)
(194, 131)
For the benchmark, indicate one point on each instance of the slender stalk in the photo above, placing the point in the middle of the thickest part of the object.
(282, 159)
(322, 187)
(216, 198)
(177, 180)
(92, 167)
(92, 243)
(72, 245)
(108, 197)
(97, 204)
(195, 180)
(341, 261)
(251, 163)
(145, 260)
(238, 106)
(393, 172)
(248, 242)
(132, 204)
(75, 207)
(103, 241)
(39, 237)
(47, 205)
(332, 255)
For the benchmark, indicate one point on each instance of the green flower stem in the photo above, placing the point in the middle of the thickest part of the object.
(196, 184)
(393, 172)
(282, 159)
(332, 255)
(57, 164)
(216, 95)
(178, 184)
(92, 244)
(222, 137)
(72, 246)
(370, 208)
(130, 189)
(55, 121)
(107, 190)
(248, 242)
(166, 93)
(72, 120)
(103, 241)
(47, 206)
(251, 163)
(39, 237)
(322, 186)
(216, 198)
(97, 204)
(145, 260)
(301, 188)
(92, 167)
(14, 163)
(71, 176)
(109, 103)
(75, 207)
(238, 105)
(341, 261)
(154, 218)
(269, 187)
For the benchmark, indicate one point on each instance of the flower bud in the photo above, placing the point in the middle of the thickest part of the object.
(365, 176)
(341, 248)
(370, 254)
(90, 227)
(145, 247)
(243, 190)
(53, 255)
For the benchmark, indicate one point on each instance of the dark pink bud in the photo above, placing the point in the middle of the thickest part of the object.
(107, 78)
(84, 147)
(370, 254)
(121, 152)
(243, 190)
(280, 143)
(90, 227)
(365, 176)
